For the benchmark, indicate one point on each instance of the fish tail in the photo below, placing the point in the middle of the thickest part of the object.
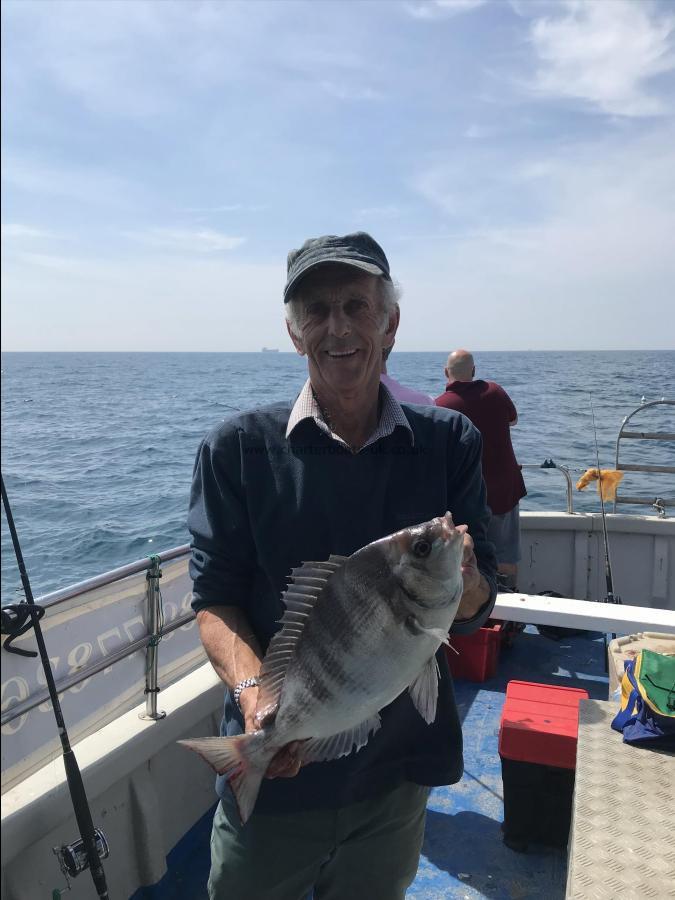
(243, 760)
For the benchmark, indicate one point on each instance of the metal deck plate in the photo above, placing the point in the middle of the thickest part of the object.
(622, 841)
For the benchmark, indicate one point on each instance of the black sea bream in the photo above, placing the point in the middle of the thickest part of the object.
(356, 633)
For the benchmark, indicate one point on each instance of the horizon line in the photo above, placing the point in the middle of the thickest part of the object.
(398, 352)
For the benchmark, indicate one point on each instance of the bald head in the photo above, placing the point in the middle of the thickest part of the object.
(460, 366)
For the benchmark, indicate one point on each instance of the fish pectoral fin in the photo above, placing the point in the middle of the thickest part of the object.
(413, 625)
(424, 691)
(341, 744)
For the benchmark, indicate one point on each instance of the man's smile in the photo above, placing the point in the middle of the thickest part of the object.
(341, 354)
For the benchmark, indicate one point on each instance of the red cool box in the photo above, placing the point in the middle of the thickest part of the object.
(538, 747)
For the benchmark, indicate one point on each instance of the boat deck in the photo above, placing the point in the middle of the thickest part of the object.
(463, 854)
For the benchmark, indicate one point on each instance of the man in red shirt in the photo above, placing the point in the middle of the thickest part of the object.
(491, 410)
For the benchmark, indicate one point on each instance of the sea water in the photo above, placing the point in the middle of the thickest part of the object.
(98, 448)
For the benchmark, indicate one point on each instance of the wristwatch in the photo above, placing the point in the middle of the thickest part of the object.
(242, 685)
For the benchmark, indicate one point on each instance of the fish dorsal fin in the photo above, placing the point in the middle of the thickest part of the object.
(338, 560)
(306, 584)
(320, 749)
(424, 691)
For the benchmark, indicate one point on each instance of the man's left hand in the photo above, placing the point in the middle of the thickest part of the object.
(476, 590)
(470, 573)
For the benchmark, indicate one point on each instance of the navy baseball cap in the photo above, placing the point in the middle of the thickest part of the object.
(359, 250)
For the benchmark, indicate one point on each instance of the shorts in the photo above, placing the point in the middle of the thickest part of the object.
(504, 532)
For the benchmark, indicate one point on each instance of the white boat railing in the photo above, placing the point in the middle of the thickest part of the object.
(548, 465)
(156, 630)
(87, 672)
(82, 587)
(90, 628)
(660, 504)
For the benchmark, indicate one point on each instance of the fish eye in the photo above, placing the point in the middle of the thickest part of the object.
(421, 548)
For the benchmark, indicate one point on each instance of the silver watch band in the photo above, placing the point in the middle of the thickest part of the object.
(242, 685)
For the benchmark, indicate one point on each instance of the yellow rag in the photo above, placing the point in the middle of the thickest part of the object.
(608, 481)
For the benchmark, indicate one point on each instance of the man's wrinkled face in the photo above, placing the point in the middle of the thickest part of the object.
(343, 329)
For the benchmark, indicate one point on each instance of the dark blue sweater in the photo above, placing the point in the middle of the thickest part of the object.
(262, 504)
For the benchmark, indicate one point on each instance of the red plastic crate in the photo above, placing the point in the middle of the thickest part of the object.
(477, 654)
(540, 724)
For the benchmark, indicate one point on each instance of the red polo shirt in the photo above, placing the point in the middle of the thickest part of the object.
(491, 410)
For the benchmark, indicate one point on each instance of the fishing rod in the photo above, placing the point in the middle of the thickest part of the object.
(611, 596)
(76, 857)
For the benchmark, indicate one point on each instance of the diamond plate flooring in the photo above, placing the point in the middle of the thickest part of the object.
(622, 842)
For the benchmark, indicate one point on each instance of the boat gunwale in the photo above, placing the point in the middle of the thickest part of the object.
(615, 521)
(14, 712)
(113, 575)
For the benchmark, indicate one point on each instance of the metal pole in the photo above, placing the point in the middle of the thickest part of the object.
(550, 464)
(565, 471)
(155, 625)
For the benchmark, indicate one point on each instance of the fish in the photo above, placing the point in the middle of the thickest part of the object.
(356, 633)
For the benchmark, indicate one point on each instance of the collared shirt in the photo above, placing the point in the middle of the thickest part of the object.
(391, 416)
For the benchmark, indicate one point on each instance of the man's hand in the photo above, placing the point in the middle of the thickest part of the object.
(470, 573)
(287, 762)
(476, 590)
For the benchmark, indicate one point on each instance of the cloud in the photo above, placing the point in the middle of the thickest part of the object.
(499, 187)
(604, 54)
(228, 207)
(585, 262)
(182, 240)
(80, 269)
(87, 51)
(350, 92)
(88, 185)
(390, 211)
(436, 9)
(146, 60)
(15, 231)
(476, 132)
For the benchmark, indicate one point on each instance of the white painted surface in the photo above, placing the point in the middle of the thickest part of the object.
(588, 616)
(565, 553)
(145, 791)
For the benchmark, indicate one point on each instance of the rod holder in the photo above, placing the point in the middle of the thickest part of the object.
(154, 601)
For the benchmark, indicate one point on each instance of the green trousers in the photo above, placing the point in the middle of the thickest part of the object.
(366, 851)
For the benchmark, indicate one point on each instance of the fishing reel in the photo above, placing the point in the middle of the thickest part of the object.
(73, 857)
(17, 619)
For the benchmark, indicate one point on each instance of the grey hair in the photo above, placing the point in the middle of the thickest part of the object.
(389, 291)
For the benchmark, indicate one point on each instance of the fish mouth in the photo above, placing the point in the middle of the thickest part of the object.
(450, 531)
(441, 529)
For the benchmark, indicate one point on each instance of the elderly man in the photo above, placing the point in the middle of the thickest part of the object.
(343, 465)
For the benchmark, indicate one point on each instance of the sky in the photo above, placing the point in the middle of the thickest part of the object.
(515, 159)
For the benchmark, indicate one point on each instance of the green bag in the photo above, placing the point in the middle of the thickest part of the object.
(647, 714)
